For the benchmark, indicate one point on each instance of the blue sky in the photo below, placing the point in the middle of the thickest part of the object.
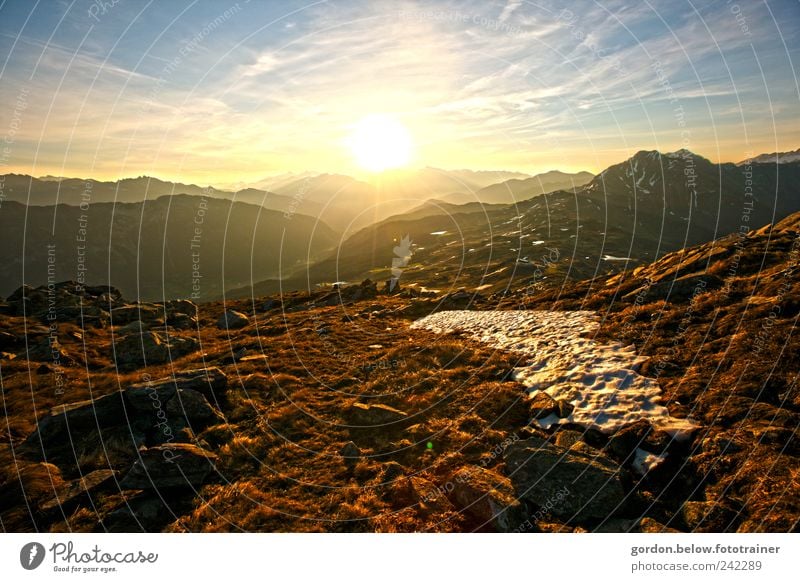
(223, 93)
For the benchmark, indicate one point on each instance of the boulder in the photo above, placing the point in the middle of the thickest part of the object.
(232, 320)
(540, 470)
(392, 471)
(192, 406)
(77, 418)
(145, 396)
(80, 489)
(542, 405)
(487, 497)
(211, 382)
(144, 312)
(567, 438)
(145, 512)
(350, 452)
(181, 306)
(170, 465)
(640, 434)
(9, 341)
(181, 321)
(152, 349)
(372, 415)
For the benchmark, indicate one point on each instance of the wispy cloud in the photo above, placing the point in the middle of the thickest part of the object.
(499, 84)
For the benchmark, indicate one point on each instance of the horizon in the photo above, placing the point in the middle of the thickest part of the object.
(202, 93)
(369, 177)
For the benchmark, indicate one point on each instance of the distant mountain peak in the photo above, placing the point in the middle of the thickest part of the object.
(774, 158)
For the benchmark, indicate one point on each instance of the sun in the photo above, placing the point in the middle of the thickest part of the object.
(380, 142)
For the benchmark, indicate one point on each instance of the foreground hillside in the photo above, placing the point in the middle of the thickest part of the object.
(352, 410)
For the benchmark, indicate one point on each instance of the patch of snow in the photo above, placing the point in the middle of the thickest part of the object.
(598, 379)
(613, 258)
(645, 461)
(439, 232)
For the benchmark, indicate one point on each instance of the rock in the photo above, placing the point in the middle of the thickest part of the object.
(271, 304)
(650, 525)
(80, 489)
(392, 471)
(350, 451)
(76, 418)
(540, 471)
(232, 320)
(147, 396)
(373, 415)
(487, 497)
(182, 321)
(20, 293)
(144, 312)
(67, 300)
(192, 406)
(182, 307)
(640, 434)
(47, 349)
(542, 405)
(152, 349)
(174, 431)
(146, 512)
(419, 492)
(567, 438)
(170, 465)
(211, 382)
(564, 408)
(134, 327)
(9, 341)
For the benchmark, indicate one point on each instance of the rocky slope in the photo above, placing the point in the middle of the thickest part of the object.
(333, 411)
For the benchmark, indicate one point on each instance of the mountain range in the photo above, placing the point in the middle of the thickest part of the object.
(631, 213)
(459, 231)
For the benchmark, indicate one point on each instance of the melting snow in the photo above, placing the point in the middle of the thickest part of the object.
(598, 379)
(645, 461)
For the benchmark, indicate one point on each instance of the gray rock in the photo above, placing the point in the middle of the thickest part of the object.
(211, 382)
(151, 348)
(392, 471)
(541, 405)
(487, 497)
(181, 306)
(77, 418)
(540, 471)
(170, 465)
(80, 489)
(145, 312)
(194, 407)
(145, 512)
(232, 320)
(350, 451)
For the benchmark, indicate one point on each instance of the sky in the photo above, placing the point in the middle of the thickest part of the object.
(228, 93)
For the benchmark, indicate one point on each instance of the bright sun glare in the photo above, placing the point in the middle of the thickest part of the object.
(381, 143)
